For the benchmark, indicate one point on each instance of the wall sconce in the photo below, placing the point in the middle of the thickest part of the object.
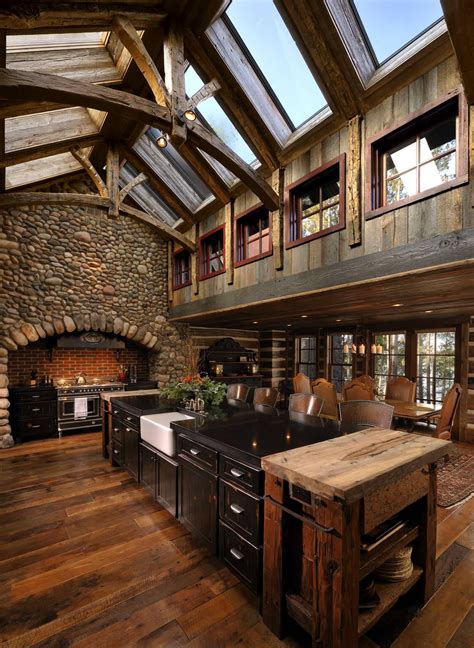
(373, 348)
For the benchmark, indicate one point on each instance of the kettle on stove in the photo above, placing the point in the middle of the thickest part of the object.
(80, 380)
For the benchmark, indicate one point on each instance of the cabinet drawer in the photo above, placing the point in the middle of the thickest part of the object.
(34, 397)
(117, 428)
(241, 475)
(130, 420)
(241, 511)
(198, 453)
(117, 452)
(241, 556)
(31, 428)
(40, 409)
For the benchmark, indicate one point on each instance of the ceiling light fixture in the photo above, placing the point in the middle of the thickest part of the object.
(304, 316)
(190, 115)
(254, 322)
(428, 311)
(162, 140)
(338, 320)
(289, 325)
(397, 305)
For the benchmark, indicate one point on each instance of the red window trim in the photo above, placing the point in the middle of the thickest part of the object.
(257, 257)
(462, 156)
(203, 277)
(340, 160)
(187, 283)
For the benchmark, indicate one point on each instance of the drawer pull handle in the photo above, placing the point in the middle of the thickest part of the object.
(35, 427)
(128, 430)
(235, 508)
(236, 553)
(116, 429)
(116, 451)
(236, 473)
(36, 409)
(194, 452)
(115, 411)
(129, 418)
(35, 396)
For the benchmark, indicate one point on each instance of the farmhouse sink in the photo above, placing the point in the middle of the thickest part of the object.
(156, 430)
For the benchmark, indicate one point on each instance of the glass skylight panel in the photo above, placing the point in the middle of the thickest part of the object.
(274, 51)
(391, 24)
(217, 119)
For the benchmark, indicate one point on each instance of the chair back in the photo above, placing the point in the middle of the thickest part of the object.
(366, 412)
(265, 396)
(305, 408)
(356, 390)
(301, 384)
(448, 412)
(401, 389)
(238, 392)
(326, 391)
(263, 408)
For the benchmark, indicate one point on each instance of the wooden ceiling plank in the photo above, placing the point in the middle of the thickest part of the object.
(459, 16)
(19, 108)
(132, 41)
(89, 168)
(312, 25)
(157, 183)
(234, 101)
(50, 148)
(206, 172)
(141, 177)
(206, 141)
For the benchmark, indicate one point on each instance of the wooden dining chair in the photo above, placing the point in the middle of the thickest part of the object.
(263, 408)
(356, 390)
(444, 420)
(401, 389)
(366, 412)
(238, 392)
(265, 396)
(327, 392)
(305, 408)
(301, 384)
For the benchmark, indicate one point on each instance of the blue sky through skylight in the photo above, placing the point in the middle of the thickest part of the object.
(217, 118)
(391, 24)
(268, 40)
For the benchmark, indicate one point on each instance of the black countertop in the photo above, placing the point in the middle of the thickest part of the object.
(143, 405)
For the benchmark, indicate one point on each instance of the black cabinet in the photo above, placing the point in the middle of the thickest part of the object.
(131, 439)
(33, 412)
(198, 501)
(159, 476)
(148, 469)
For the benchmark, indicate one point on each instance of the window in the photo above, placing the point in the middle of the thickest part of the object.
(340, 363)
(390, 363)
(416, 160)
(181, 269)
(315, 204)
(275, 55)
(212, 253)
(435, 365)
(253, 240)
(392, 24)
(305, 360)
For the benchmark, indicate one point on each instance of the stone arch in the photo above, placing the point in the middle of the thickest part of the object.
(23, 333)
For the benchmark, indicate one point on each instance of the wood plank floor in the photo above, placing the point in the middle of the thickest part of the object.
(88, 559)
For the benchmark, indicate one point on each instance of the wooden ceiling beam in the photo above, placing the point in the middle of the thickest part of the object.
(206, 92)
(197, 16)
(206, 172)
(113, 171)
(313, 28)
(44, 150)
(134, 44)
(85, 200)
(174, 63)
(91, 171)
(141, 177)
(459, 16)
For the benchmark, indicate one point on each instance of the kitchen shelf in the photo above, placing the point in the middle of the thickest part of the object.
(373, 559)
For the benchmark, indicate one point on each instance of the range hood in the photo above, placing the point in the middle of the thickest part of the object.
(89, 340)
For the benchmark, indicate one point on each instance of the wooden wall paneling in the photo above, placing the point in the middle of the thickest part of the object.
(273, 357)
(469, 429)
(354, 183)
(3, 63)
(470, 194)
(278, 184)
(229, 241)
(462, 362)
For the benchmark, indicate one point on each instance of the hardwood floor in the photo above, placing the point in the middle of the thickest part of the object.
(88, 559)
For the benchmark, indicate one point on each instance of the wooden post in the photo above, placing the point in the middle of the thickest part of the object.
(174, 62)
(170, 271)
(195, 262)
(113, 169)
(424, 547)
(278, 185)
(354, 176)
(229, 241)
(3, 64)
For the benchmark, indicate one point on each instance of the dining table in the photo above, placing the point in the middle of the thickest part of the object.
(414, 412)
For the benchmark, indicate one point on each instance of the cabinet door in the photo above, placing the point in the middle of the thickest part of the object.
(130, 451)
(148, 469)
(198, 502)
(167, 487)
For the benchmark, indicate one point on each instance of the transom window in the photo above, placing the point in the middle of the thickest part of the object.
(305, 355)
(181, 269)
(316, 204)
(253, 240)
(418, 159)
(211, 251)
(340, 363)
(435, 365)
(390, 362)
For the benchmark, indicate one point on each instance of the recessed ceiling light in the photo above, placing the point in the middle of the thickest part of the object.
(289, 324)
(396, 305)
(304, 316)
(338, 320)
(254, 322)
(428, 311)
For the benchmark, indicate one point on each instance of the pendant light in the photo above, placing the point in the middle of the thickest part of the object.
(373, 348)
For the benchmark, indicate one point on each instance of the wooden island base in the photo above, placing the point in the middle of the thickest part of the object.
(313, 528)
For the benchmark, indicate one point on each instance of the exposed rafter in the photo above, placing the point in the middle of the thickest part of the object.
(459, 16)
(174, 78)
(206, 172)
(206, 92)
(141, 177)
(91, 171)
(85, 200)
(44, 150)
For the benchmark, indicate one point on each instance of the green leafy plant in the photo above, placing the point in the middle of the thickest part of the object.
(212, 392)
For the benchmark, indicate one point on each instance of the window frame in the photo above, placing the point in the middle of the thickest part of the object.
(375, 152)
(434, 379)
(373, 356)
(202, 240)
(291, 190)
(297, 351)
(330, 354)
(260, 207)
(177, 253)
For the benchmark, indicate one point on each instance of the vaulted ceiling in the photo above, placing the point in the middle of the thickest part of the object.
(266, 77)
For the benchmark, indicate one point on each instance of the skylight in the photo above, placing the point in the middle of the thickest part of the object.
(392, 24)
(215, 116)
(265, 35)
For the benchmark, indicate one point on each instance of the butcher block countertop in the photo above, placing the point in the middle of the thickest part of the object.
(352, 466)
(120, 394)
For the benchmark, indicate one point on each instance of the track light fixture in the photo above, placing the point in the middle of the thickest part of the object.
(162, 140)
